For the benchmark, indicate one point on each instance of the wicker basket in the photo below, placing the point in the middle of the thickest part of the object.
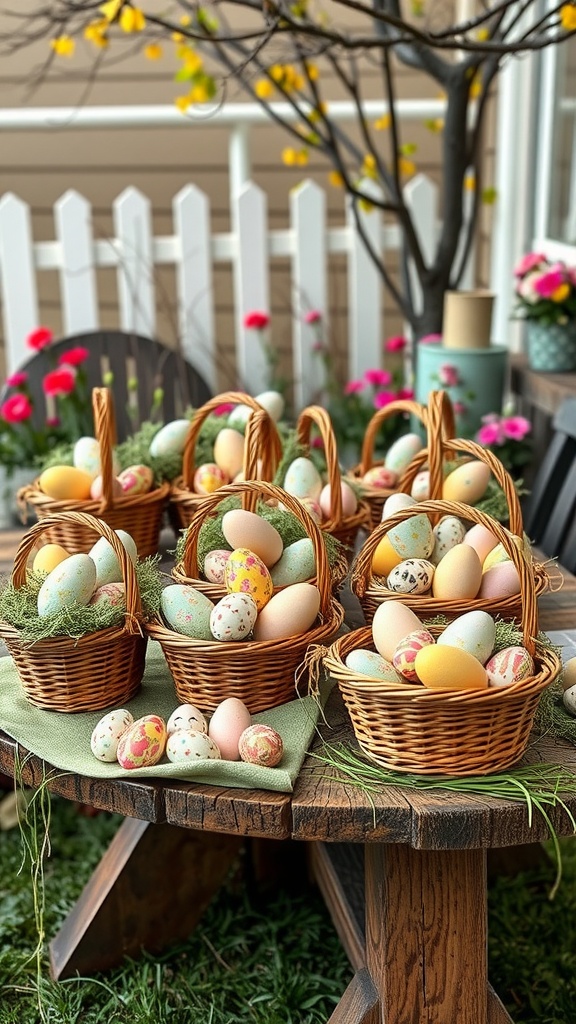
(184, 500)
(438, 421)
(99, 670)
(259, 673)
(371, 590)
(344, 528)
(140, 515)
(410, 728)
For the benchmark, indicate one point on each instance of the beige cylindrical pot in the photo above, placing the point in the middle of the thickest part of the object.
(467, 319)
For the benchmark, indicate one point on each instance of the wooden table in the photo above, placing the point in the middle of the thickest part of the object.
(420, 953)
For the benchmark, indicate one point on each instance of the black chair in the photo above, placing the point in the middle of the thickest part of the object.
(549, 515)
(129, 357)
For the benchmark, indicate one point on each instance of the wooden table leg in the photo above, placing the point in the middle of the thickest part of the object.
(150, 888)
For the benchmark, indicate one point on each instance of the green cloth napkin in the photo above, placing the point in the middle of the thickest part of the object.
(63, 740)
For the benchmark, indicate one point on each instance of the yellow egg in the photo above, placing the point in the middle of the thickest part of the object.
(449, 668)
(48, 557)
(385, 558)
(245, 573)
(458, 575)
(467, 483)
(65, 483)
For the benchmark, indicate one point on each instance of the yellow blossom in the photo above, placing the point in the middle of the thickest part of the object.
(568, 17)
(369, 166)
(406, 167)
(186, 20)
(95, 33)
(192, 61)
(561, 293)
(483, 34)
(276, 72)
(382, 123)
(153, 51)
(264, 89)
(435, 124)
(132, 19)
(470, 181)
(63, 46)
(319, 111)
(366, 205)
(302, 158)
(336, 179)
(475, 87)
(111, 9)
(289, 156)
(199, 93)
(182, 102)
(312, 72)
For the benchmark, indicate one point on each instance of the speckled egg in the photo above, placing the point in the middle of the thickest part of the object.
(233, 617)
(302, 479)
(467, 483)
(109, 595)
(48, 557)
(420, 489)
(186, 746)
(396, 502)
(401, 453)
(369, 663)
(106, 734)
(86, 456)
(296, 565)
(244, 529)
(226, 726)
(72, 582)
(170, 439)
(187, 611)
(138, 479)
(208, 478)
(447, 533)
(381, 477)
(412, 576)
(215, 565)
(186, 716)
(508, 666)
(412, 538)
(228, 451)
(404, 657)
(473, 632)
(349, 500)
(107, 565)
(313, 508)
(569, 700)
(449, 668)
(143, 743)
(392, 621)
(261, 744)
(245, 573)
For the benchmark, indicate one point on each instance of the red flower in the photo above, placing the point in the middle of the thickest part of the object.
(396, 344)
(383, 398)
(224, 409)
(73, 357)
(313, 316)
(39, 339)
(16, 409)
(405, 393)
(379, 378)
(257, 320)
(17, 379)
(59, 382)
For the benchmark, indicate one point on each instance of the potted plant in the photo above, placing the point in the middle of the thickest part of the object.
(546, 298)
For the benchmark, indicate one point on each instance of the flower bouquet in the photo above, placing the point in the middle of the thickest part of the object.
(545, 293)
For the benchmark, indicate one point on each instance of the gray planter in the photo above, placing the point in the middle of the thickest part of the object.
(551, 347)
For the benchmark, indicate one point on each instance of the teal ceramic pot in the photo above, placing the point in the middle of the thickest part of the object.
(473, 377)
(551, 347)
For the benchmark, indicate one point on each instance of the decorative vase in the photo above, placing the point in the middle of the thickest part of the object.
(467, 319)
(551, 347)
(473, 378)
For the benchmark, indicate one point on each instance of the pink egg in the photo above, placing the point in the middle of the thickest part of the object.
(96, 488)
(349, 500)
(208, 478)
(406, 651)
(500, 581)
(380, 476)
(481, 539)
(226, 726)
(137, 479)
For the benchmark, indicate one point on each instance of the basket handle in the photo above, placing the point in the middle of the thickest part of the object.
(105, 431)
(201, 414)
(317, 415)
(262, 453)
(133, 612)
(208, 506)
(405, 405)
(361, 569)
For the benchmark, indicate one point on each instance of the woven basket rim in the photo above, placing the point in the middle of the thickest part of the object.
(375, 591)
(32, 495)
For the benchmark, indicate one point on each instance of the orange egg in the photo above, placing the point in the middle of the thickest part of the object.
(449, 668)
(467, 483)
(385, 558)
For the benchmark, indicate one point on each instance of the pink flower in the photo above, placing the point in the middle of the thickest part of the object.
(395, 344)
(313, 316)
(448, 375)
(430, 339)
(489, 434)
(547, 284)
(382, 398)
(256, 320)
(353, 386)
(224, 409)
(405, 393)
(529, 262)
(39, 339)
(16, 409)
(52, 421)
(459, 408)
(316, 442)
(17, 379)
(59, 382)
(516, 427)
(73, 357)
(379, 378)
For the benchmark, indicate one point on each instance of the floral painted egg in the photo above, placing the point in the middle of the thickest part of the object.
(245, 573)
(412, 538)
(261, 744)
(233, 617)
(187, 611)
(104, 557)
(401, 453)
(109, 595)
(186, 716)
(296, 565)
(509, 666)
(138, 479)
(143, 743)
(404, 656)
(186, 746)
(447, 533)
(313, 508)
(412, 576)
(420, 489)
(106, 734)
(208, 478)
(473, 632)
(381, 477)
(215, 565)
(72, 582)
(302, 479)
(369, 663)
(170, 439)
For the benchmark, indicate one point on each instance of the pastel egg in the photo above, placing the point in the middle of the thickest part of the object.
(226, 726)
(273, 402)
(402, 451)
(186, 716)
(48, 557)
(97, 488)
(447, 533)
(72, 582)
(106, 734)
(208, 478)
(187, 611)
(65, 483)
(391, 623)
(449, 668)
(412, 576)
(501, 581)
(296, 564)
(186, 746)
(508, 666)
(499, 553)
(349, 500)
(229, 451)
(396, 502)
(302, 479)
(467, 482)
(313, 509)
(370, 663)
(245, 573)
(215, 565)
(109, 595)
(170, 439)
(261, 744)
(290, 612)
(420, 489)
(473, 632)
(569, 673)
(86, 456)
(404, 657)
(569, 700)
(143, 743)
(106, 561)
(381, 477)
(412, 538)
(138, 479)
(243, 529)
(233, 617)
(481, 539)
(458, 575)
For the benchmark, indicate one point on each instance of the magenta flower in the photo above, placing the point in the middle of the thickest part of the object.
(548, 283)
(430, 339)
(256, 320)
(73, 357)
(405, 393)
(223, 409)
(313, 316)
(382, 398)
(353, 387)
(316, 442)
(448, 375)
(379, 378)
(52, 421)
(489, 434)
(39, 339)
(16, 409)
(16, 380)
(530, 261)
(516, 427)
(395, 344)
(59, 382)
(459, 408)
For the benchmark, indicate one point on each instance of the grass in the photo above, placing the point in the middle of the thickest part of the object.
(272, 957)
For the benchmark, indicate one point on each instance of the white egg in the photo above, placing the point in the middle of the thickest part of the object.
(186, 716)
(233, 617)
(106, 734)
(401, 453)
(396, 502)
(473, 632)
(86, 456)
(107, 565)
(569, 700)
(421, 486)
(187, 746)
(72, 582)
(170, 439)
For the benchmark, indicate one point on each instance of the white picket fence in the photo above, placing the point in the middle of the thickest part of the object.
(193, 250)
